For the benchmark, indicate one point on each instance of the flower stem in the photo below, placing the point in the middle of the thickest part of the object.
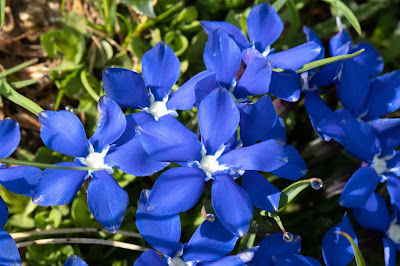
(46, 165)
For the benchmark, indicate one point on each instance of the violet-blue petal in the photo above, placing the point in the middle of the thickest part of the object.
(9, 254)
(9, 137)
(132, 120)
(388, 131)
(162, 232)
(371, 60)
(277, 132)
(3, 213)
(359, 188)
(330, 126)
(161, 69)
(336, 249)
(295, 168)
(312, 37)
(210, 241)
(264, 26)
(222, 55)
(71, 142)
(384, 95)
(21, 179)
(168, 140)
(218, 119)
(294, 58)
(58, 186)
(232, 205)
(294, 260)
(204, 87)
(257, 120)
(374, 215)
(150, 257)
(341, 38)
(131, 158)
(274, 244)
(352, 87)
(285, 85)
(250, 53)
(111, 124)
(240, 259)
(107, 201)
(393, 186)
(74, 260)
(126, 87)
(176, 190)
(184, 98)
(232, 31)
(265, 156)
(263, 194)
(255, 79)
(389, 251)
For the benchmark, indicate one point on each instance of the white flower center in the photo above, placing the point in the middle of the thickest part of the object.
(380, 165)
(394, 232)
(159, 108)
(209, 163)
(176, 261)
(233, 97)
(96, 159)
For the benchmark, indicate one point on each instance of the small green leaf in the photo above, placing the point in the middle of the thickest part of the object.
(23, 83)
(21, 221)
(7, 91)
(347, 13)
(142, 7)
(17, 68)
(357, 253)
(187, 15)
(88, 86)
(80, 213)
(278, 4)
(178, 42)
(290, 192)
(2, 12)
(55, 217)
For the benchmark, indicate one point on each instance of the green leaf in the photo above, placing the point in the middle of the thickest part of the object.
(347, 13)
(81, 213)
(2, 12)
(55, 217)
(7, 91)
(142, 7)
(187, 15)
(178, 42)
(22, 221)
(23, 83)
(290, 192)
(278, 4)
(88, 86)
(17, 68)
(357, 253)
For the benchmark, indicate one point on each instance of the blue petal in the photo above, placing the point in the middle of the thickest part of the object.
(21, 179)
(294, 58)
(393, 186)
(169, 141)
(204, 87)
(278, 132)
(176, 190)
(331, 125)
(232, 205)
(337, 41)
(107, 201)
(53, 132)
(111, 124)
(295, 260)
(359, 188)
(232, 31)
(222, 55)
(263, 194)
(9, 137)
(388, 131)
(295, 168)
(312, 37)
(3, 213)
(255, 79)
(161, 69)
(162, 232)
(250, 53)
(241, 259)
(58, 186)
(384, 95)
(264, 156)
(273, 245)
(132, 120)
(131, 158)
(374, 215)
(125, 87)
(218, 119)
(150, 257)
(389, 249)
(285, 85)
(336, 249)
(256, 120)
(74, 260)
(371, 60)
(264, 26)
(209, 242)
(9, 252)
(352, 87)
(184, 98)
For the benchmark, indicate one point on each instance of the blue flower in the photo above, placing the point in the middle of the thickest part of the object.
(108, 147)
(215, 157)
(209, 242)
(74, 260)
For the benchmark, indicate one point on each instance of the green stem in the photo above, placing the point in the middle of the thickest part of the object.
(17, 68)
(23, 83)
(59, 98)
(89, 88)
(46, 165)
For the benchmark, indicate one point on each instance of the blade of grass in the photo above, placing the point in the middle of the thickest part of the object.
(17, 68)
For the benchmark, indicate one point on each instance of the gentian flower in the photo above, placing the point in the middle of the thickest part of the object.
(264, 27)
(74, 260)
(9, 254)
(209, 242)
(108, 147)
(215, 157)
(336, 249)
